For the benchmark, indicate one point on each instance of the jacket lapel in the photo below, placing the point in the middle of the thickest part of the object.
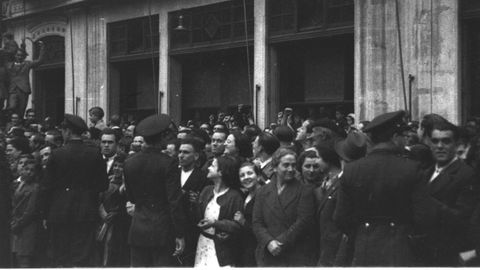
(190, 183)
(273, 202)
(289, 194)
(328, 194)
(444, 178)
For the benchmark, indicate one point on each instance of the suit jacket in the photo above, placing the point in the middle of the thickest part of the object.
(151, 181)
(25, 218)
(19, 75)
(195, 183)
(5, 212)
(248, 240)
(375, 202)
(74, 177)
(288, 218)
(446, 211)
(330, 235)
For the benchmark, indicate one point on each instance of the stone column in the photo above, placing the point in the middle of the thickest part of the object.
(429, 34)
(260, 84)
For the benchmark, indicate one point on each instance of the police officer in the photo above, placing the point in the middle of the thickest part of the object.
(151, 180)
(375, 198)
(75, 175)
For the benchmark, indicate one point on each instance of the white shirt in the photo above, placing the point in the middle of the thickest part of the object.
(109, 162)
(184, 176)
(438, 170)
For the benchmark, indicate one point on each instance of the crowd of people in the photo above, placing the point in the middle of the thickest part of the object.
(318, 191)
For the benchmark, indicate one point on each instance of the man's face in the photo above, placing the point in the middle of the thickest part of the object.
(171, 150)
(12, 152)
(108, 145)
(15, 118)
(21, 163)
(187, 156)
(93, 118)
(20, 57)
(302, 131)
(218, 141)
(443, 146)
(27, 172)
(31, 116)
(129, 131)
(138, 141)
(45, 154)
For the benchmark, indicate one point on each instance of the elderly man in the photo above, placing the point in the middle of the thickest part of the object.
(74, 177)
(151, 180)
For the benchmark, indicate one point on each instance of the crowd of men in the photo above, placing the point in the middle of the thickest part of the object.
(318, 191)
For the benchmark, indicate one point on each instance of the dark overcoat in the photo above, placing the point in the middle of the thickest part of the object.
(74, 177)
(5, 208)
(25, 219)
(151, 181)
(330, 235)
(446, 211)
(375, 203)
(287, 218)
(248, 240)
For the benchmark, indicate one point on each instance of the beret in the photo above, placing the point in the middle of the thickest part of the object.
(73, 121)
(385, 120)
(153, 125)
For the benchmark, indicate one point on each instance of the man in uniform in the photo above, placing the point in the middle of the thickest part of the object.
(75, 175)
(375, 199)
(151, 180)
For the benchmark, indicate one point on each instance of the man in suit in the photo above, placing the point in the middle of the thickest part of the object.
(19, 77)
(109, 145)
(74, 176)
(263, 147)
(151, 180)
(451, 189)
(192, 180)
(217, 144)
(375, 198)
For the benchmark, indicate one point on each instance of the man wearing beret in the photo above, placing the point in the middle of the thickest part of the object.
(375, 199)
(151, 181)
(75, 175)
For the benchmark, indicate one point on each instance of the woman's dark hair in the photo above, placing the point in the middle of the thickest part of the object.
(329, 156)
(256, 169)
(229, 166)
(21, 144)
(243, 144)
(303, 156)
(97, 111)
(252, 131)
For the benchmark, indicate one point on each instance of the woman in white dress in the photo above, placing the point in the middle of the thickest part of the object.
(218, 242)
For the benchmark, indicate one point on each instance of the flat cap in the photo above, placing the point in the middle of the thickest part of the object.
(385, 120)
(75, 122)
(153, 125)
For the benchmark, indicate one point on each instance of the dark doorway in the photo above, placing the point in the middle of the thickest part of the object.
(48, 98)
(134, 88)
(213, 81)
(315, 73)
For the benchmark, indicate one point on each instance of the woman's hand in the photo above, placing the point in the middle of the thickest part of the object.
(205, 224)
(275, 247)
(239, 217)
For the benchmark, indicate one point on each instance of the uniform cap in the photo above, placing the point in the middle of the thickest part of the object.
(153, 125)
(386, 120)
(75, 122)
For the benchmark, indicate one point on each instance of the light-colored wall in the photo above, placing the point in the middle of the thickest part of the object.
(430, 35)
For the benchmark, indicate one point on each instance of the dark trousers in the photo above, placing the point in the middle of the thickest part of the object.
(151, 257)
(73, 245)
(17, 101)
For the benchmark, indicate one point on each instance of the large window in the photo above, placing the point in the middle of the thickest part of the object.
(133, 37)
(293, 16)
(211, 24)
(133, 67)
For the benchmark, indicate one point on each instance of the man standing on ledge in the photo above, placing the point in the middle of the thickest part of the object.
(74, 177)
(151, 181)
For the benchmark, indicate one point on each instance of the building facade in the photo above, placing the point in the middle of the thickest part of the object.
(194, 58)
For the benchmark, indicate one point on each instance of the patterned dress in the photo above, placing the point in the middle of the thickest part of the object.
(206, 256)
